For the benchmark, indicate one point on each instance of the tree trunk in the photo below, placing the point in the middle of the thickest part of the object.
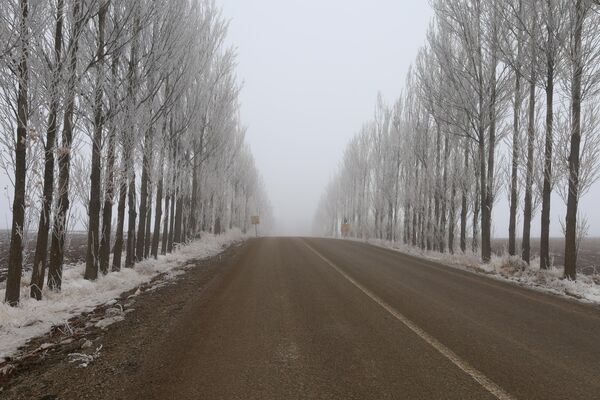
(547, 188)
(129, 142)
(158, 210)
(486, 220)
(15, 260)
(430, 216)
(481, 190)
(390, 222)
(464, 210)
(93, 242)
(41, 249)
(174, 196)
(516, 150)
(528, 206)
(574, 161)
(172, 221)
(64, 159)
(119, 238)
(416, 209)
(132, 214)
(437, 233)
(165, 235)
(423, 225)
(169, 197)
(194, 201)
(443, 199)
(148, 237)
(146, 162)
(177, 237)
(479, 193)
(407, 217)
(217, 228)
(452, 218)
(109, 186)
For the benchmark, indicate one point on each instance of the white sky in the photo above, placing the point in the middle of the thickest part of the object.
(312, 70)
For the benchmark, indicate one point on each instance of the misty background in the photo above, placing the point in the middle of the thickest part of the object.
(311, 71)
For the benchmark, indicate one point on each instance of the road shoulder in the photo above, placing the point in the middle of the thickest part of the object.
(87, 360)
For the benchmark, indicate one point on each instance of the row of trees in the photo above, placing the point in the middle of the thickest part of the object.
(126, 103)
(503, 98)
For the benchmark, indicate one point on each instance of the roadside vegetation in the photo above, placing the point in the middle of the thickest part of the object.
(501, 100)
(120, 118)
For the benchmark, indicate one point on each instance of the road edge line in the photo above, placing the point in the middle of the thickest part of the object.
(454, 358)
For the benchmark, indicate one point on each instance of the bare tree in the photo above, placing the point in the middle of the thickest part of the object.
(93, 242)
(153, 86)
(15, 260)
(41, 249)
(583, 60)
(59, 229)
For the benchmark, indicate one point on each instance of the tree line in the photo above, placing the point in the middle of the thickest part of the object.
(132, 104)
(502, 98)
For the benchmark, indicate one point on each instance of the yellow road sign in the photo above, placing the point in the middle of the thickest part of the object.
(345, 230)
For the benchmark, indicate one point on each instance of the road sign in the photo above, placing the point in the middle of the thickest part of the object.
(345, 230)
(255, 220)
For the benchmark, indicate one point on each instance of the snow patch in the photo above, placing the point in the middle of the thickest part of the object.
(32, 318)
(510, 268)
(82, 360)
(106, 322)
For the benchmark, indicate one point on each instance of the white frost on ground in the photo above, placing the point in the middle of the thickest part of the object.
(82, 360)
(34, 318)
(585, 289)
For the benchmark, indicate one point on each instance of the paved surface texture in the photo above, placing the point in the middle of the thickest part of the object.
(293, 318)
(286, 324)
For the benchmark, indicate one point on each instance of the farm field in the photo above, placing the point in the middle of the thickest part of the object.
(589, 253)
(75, 252)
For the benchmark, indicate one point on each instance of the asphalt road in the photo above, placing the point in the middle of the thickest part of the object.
(326, 319)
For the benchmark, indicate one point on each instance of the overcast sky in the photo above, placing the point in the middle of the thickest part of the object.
(311, 71)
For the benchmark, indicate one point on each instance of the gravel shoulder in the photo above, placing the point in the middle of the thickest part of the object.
(52, 367)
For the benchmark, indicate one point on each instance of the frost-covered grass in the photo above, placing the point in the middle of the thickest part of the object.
(513, 269)
(33, 318)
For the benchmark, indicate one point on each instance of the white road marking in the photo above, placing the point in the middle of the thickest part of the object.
(464, 366)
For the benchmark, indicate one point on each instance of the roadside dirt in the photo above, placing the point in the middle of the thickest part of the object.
(86, 360)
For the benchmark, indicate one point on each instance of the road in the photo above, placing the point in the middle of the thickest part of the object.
(327, 319)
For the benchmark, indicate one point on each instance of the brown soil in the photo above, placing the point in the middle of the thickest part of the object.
(45, 372)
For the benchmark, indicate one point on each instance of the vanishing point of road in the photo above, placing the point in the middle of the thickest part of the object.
(302, 318)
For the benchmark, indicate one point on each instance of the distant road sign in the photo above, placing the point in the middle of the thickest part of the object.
(255, 219)
(345, 230)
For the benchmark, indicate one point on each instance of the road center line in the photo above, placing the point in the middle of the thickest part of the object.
(477, 375)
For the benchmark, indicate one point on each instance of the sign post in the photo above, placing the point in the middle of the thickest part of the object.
(255, 219)
(345, 228)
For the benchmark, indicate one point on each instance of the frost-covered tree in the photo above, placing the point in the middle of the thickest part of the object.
(139, 105)
(476, 81)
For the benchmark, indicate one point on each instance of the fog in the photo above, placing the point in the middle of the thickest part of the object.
(311, 71)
